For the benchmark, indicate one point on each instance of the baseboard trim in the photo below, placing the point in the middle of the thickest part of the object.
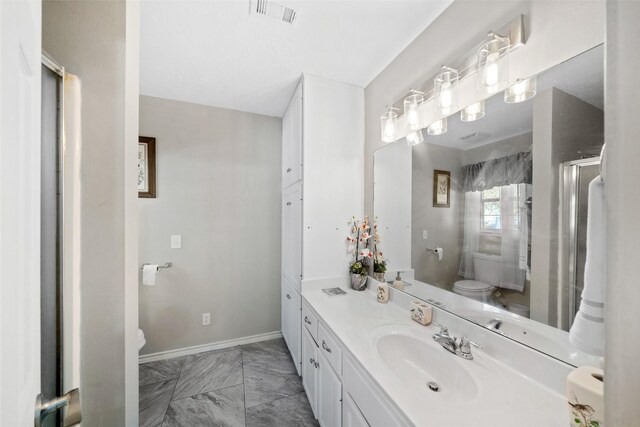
(168, 354)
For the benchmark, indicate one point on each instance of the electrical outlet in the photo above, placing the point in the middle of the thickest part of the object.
(424, 234)
(176, 241)
(206, 319)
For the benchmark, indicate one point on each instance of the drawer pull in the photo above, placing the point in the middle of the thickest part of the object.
(316, 364)
(288, 203)
(324, 346)
(288, 170)
(288, 296)
(312, 361)
(306, 320)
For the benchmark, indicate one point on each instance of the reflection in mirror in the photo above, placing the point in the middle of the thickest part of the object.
(509, 250)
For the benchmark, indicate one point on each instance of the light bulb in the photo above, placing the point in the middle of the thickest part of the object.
(491, 71)
(389, 125)
(415, 138)
(493, 64)
(411, 104)
(445, 85)
(446, 98)
(413, 121)
(389, 130)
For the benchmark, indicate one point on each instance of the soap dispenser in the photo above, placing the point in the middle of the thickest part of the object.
(398, 283)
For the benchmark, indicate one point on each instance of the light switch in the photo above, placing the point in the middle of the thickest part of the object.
(424, 234)
(176, 241)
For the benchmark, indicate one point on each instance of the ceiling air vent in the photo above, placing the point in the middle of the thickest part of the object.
(475, 137)
(273, 10)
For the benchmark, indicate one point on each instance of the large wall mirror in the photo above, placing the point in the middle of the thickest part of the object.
(509, 250)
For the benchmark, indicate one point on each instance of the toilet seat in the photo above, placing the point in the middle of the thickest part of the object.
(472, 286)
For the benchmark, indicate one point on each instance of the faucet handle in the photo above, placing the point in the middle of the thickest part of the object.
(466, 343)
(443, 329)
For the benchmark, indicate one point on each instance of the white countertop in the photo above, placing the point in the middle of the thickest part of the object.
(353, 318)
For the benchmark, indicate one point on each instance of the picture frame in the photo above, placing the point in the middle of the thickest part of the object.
(146, 167)
(441, 189)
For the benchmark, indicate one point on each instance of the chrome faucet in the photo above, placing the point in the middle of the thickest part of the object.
(460, 348)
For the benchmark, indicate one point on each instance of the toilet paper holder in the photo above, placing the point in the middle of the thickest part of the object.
(166, 265)
(438, 251)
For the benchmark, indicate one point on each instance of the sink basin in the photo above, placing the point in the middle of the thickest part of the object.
(418, 363)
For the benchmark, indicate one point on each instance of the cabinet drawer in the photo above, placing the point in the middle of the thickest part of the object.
(310, 321)
(329, 347)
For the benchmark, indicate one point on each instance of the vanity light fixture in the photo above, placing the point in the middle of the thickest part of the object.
(411, 104)
(389, 125)
(473, 112)
(521, 90)
(415, 138)
(493, 64)
(445, 85)
(438, 127)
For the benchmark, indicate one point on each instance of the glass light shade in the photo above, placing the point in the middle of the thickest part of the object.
(389, 126)
(521, 90)
(445, 86)
(438, 128)
(473, 112)
(415, 138)
(411, 104)
(493, 64)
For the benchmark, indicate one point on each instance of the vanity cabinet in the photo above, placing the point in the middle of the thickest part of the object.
(291, 304)
(329, 398)
(320, 378)
(321, 383)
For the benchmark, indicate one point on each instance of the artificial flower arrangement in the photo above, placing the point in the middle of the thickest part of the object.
(358, 245)
(379, 263)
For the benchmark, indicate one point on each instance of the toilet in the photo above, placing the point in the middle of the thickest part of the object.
(487, 276)
(141, 340)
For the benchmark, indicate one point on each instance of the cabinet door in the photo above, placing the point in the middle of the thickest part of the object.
(291, 319)
(309, 370)
(292, 235)
(285, 317)
(295, 132)
(292, 140)
(351, 415)
(329, 394)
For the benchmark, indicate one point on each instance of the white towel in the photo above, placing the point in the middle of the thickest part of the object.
(149, 272)
(587, 332)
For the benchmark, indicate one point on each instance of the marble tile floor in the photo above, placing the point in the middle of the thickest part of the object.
(250, 385)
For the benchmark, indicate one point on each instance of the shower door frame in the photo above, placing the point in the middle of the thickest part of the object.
(568, 241)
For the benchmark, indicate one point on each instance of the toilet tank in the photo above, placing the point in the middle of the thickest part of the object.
(487, 268)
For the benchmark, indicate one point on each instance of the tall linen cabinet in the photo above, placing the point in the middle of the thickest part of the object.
(322, 188)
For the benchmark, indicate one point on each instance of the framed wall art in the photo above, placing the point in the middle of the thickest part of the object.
(441, 189)
(146, 167)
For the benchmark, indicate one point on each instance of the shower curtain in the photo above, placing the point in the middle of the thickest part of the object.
(514, 235)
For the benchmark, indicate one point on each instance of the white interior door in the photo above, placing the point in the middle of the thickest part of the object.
(20, 52)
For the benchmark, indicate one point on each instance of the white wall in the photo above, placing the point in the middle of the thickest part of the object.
(89, 38)
(622, 127)
(218, 185)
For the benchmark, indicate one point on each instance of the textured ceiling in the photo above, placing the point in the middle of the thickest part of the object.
(216, 53)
